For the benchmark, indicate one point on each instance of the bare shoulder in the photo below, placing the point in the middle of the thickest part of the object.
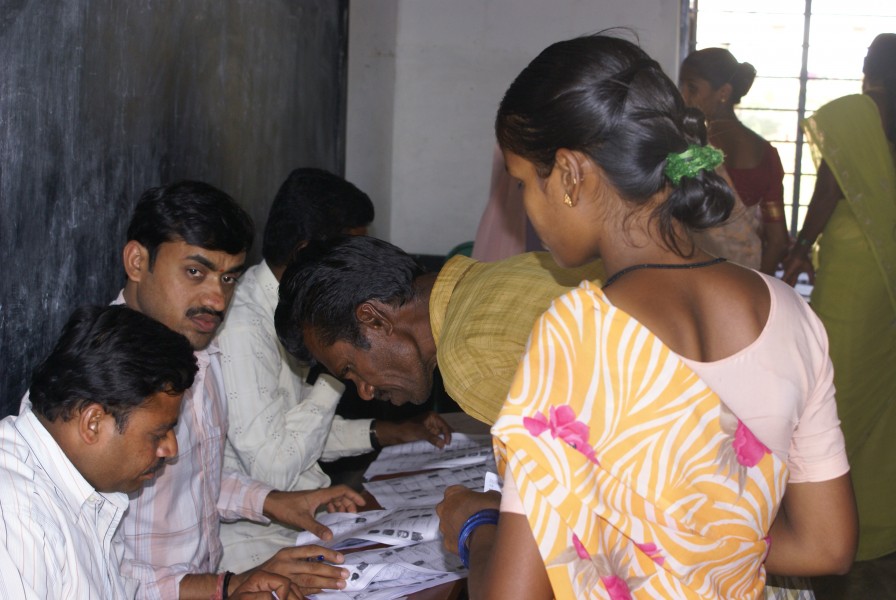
(706, 314)
(733, 306)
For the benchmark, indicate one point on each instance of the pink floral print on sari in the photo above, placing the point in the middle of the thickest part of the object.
(609, 569)
(742, 449)
(563, 424)
(748, 448)
(653, 551)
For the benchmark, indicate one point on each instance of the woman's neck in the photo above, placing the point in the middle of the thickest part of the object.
(723, 125)
(640, 241)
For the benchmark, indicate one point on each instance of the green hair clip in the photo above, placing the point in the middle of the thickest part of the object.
(692, 161)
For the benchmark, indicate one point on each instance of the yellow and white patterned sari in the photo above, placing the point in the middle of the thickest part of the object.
(635, 478)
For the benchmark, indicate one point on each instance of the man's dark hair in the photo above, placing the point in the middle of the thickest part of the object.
(115, 357)
(195, 212)
(328, 279)
(312, 204)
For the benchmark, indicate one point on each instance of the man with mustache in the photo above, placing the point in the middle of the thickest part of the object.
(104, 405)
(186, 249)
(367, 311)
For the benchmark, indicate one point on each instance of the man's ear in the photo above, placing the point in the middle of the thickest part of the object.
(91, 421)
(135, 257)
(374, 315)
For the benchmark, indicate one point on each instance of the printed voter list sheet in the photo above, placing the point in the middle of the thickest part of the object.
(464, 450)
(395, 527)
(392, 572)
(427, 489)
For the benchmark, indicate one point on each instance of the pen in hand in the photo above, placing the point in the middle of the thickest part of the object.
(318, 558)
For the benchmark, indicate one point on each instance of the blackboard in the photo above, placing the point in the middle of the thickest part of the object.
(101, 99)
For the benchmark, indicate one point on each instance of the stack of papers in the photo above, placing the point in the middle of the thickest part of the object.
(427, 489)
(395, 527)
(420, 456)
(415, 558)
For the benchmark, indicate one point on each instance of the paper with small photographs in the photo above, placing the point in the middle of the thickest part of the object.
(427, 489)
(394, 527)
(393, 572)
(464, 449)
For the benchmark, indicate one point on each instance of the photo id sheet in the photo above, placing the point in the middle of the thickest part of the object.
(428, 489)
(464, 449)
(394, 527)
(394, 572)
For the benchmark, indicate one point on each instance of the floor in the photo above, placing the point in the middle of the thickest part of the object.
(871, 580)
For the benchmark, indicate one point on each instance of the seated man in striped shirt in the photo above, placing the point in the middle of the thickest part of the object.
(104, 406)
(186, 249)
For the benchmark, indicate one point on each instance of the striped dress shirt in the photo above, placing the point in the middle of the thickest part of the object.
(173, 526)
(57, 531)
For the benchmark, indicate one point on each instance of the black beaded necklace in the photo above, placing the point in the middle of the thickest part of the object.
(696, 265)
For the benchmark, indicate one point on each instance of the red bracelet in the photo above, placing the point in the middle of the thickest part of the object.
(219, 588)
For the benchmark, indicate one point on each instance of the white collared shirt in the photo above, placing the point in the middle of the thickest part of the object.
(279, 425)
(57, 531)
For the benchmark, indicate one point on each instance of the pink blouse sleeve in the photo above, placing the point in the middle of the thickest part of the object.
(510, 496)
(818, 450)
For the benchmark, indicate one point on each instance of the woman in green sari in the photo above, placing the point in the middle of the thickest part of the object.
(853, 210)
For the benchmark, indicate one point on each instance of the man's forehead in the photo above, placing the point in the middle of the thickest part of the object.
(220, 259)
(332, 355)
(314, 343)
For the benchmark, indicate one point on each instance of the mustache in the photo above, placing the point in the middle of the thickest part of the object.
(203, 310)
(156, 467)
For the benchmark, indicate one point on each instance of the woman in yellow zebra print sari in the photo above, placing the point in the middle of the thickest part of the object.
(674, 433)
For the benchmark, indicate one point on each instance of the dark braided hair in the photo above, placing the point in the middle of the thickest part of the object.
(607, 98)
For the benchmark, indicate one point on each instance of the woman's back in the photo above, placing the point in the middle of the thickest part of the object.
(743, 147)
(634, 475)
(703, 314)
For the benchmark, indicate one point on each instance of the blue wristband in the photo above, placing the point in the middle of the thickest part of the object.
(488, 516)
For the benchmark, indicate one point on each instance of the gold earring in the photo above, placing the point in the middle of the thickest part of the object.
(567, 200)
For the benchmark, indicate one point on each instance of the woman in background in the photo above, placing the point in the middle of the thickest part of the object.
(713, 81)
(654, 423)
(504, 230)
(852, 214)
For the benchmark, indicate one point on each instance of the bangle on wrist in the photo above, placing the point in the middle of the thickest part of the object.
(488, 516)
(225, 585)
(374, 440)
(221, 586)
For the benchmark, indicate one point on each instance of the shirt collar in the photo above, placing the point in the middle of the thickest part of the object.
(449, 276)
(270, 287)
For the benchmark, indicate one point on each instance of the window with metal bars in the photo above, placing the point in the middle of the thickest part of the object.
(806, 53)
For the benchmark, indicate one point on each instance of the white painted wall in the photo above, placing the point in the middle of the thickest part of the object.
(425, 80)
